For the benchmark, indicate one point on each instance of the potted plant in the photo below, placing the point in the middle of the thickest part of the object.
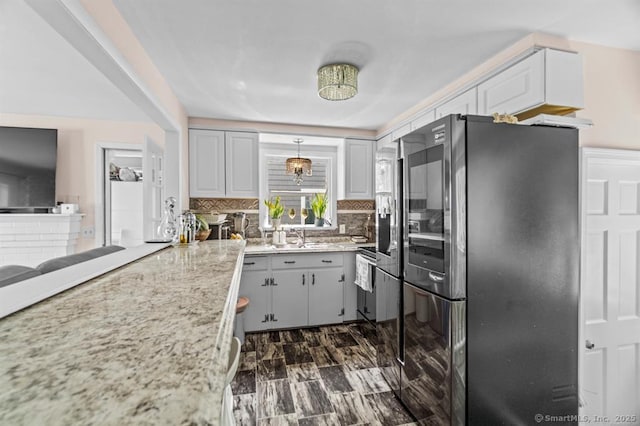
(319, 207)
(202, 227)
(276, 210)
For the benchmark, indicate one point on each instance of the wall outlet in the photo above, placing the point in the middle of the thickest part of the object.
(88, 232)
(343, 228)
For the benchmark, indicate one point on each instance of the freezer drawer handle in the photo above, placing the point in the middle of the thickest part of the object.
(589, 344)
(435, 277)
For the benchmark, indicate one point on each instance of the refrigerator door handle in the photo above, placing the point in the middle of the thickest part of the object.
(434, 277)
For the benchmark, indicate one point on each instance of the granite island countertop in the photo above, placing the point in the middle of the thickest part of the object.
(146, 343)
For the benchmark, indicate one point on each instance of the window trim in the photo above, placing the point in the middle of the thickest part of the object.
(309, 151)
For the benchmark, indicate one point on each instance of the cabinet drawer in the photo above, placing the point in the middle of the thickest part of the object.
(327, 259)
(255, 263)
(288, 261)
(311, 260)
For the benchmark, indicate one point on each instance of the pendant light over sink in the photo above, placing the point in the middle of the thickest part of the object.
(298, 166)
(337, 82)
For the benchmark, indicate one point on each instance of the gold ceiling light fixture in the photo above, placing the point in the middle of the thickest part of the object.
(337, 82)
(298, 166)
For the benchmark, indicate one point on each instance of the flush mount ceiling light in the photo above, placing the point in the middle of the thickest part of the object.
(298, 166)
(337, 82)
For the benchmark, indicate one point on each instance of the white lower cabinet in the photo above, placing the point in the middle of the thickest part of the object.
(288, 291)
(254, 284)
(326, 304)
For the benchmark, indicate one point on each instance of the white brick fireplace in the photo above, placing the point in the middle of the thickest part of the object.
(30, 239)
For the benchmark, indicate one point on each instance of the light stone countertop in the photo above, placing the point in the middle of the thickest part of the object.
(146, 343)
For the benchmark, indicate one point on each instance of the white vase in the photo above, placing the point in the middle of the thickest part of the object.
(276, 223)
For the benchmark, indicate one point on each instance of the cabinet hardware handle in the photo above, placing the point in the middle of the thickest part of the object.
(341, 280)
(313, 279)
(341, 312)
(266, 318)
(249, 263)
(289, 262)
(327, 261)
(302, 279)
(266, 282)
(273, 318)
(273, 282)
(589, 344)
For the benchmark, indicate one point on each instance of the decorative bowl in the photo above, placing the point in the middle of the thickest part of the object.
(215, 218)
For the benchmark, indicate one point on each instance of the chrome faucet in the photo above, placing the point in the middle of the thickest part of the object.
(300, 235)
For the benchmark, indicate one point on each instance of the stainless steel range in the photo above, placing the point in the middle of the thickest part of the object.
(367, 299)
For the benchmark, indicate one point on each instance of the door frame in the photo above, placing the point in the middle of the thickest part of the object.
(100, 184)
(589, 156)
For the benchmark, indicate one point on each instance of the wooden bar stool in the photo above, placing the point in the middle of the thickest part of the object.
(241, 305)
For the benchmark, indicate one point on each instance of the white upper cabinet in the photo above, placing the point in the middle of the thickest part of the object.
(206, 163)
(242, 164)
(384, 141)
(548, 79)
(223, 164)
(401, 131)
(359, 158)
(423, 120)
(465, 103)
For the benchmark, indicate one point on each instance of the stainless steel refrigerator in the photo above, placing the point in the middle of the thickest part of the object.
(388, 272)
(491, 273)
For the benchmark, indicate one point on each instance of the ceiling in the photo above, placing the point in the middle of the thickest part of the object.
(256, 60)
(42, 74)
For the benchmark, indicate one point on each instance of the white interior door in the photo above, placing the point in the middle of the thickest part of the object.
(610, 289)
(153, 187)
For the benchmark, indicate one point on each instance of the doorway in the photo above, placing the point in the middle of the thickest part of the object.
(123, 198)
(119, 202)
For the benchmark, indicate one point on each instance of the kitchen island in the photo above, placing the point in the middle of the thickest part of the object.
(146, 343)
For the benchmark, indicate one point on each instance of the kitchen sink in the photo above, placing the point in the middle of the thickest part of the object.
(305, 246)
(317, 245)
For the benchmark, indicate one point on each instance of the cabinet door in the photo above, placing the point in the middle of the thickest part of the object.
(518, 88)
(254, 285)
(241, 164)
(326, 301)
(289, 298)
(465, 103)
(206, 163)
(359, 171)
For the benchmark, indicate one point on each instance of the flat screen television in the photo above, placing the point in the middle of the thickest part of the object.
(27, 169)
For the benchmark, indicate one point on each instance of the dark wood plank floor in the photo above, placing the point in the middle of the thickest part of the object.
(315, 376)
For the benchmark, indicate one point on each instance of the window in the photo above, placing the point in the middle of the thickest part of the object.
(297, 198)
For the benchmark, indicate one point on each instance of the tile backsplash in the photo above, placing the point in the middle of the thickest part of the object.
(352, 213)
